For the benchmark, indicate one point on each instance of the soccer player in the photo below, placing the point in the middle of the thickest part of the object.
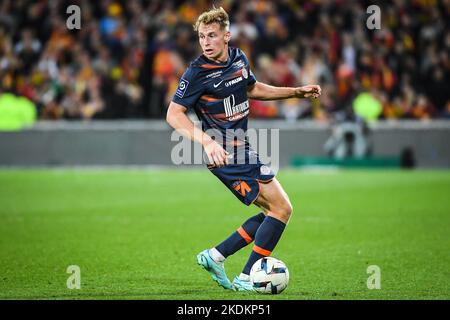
(217, 86)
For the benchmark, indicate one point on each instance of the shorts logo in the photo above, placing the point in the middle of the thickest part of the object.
(242, 187)
(181, 90)
(265, 170)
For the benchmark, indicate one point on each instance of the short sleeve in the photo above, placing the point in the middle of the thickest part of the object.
(189, 90)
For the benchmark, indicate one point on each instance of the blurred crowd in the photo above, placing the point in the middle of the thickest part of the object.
(126, 59)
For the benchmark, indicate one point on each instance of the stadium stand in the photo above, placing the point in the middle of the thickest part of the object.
(125, 60)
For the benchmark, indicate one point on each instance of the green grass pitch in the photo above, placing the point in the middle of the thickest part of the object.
(135, 233)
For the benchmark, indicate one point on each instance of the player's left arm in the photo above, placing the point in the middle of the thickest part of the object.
(262, 91)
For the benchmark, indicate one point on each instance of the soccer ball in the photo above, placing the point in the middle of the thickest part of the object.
(269, 275)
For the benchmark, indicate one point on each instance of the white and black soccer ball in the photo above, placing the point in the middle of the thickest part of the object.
(269, 275)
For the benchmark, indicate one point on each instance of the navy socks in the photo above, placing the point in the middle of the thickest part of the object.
(266, 239)
(242, 237)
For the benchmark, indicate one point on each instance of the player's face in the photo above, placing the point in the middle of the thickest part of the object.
(214, 41)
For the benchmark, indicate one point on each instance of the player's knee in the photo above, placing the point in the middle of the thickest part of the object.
(288, 209)
(284, 211)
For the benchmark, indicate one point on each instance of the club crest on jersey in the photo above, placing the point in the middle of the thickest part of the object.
(244, 73)
(181, 90)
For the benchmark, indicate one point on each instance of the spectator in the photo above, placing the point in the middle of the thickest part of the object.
(126, 60)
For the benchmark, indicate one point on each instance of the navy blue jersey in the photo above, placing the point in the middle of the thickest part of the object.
(217, 92)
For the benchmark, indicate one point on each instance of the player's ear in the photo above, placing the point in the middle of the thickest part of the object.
(227, 36)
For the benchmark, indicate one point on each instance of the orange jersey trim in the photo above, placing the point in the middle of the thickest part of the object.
(208, 98)
(210, 66)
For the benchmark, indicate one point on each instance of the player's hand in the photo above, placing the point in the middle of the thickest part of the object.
(216, 154)
(311, 91)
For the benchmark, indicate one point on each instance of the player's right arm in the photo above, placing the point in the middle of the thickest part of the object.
(177, 118)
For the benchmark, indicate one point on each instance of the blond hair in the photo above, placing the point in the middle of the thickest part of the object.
(215, 15)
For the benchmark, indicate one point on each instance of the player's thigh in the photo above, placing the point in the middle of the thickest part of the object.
(274, 201)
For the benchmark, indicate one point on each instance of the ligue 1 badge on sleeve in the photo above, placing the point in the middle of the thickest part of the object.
(244, 73)
(182, 88)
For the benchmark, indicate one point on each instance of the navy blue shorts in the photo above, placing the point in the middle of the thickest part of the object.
(243, 179)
